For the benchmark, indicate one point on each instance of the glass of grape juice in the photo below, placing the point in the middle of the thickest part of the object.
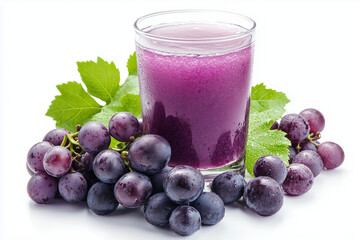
(194, 69)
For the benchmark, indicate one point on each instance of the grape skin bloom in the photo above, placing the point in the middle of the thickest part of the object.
(158, 209)
(35, 156)
(211, 208)
(133, 189)
(184, 184)
(73, 187)
(108, 166)
(123, 125)
(271, 166)
(331, 154)
(94, 137)
(310, 159)
(315, 118)
(299, 179)
(263, 195)
(101, 199)
(42, 188)
(185, 220)
(57, 161)
(296, 127)
(229, 186)
(149, 154)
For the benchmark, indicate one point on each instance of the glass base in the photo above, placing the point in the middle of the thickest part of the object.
(210, 174)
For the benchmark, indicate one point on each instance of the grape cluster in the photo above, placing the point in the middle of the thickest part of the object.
(308, 157)
(83, 166)
(134, 172)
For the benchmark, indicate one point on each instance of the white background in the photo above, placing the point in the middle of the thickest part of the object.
(308, 49)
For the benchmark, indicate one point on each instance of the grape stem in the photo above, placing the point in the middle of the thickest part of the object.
(124, 156)
(70, 138)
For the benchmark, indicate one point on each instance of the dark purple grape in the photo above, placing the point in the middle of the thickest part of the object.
(35, 156)
(307, 145)
(149, 154)
(101, 199)
(157, 179)
(185, 220)
(292, 153)
(108, 166)
(73, 187)
(158, 208)
(271, 166)
(211, 208)
(56, 136)
(133, 189)
(315, 118)
(263, 195)
(274, 126)
(184, 184)
(42, 188)
(299, 179)
(87, 160)
(310, 159)
(57, 161)
(229, 186)
(123, 125)
(296, 127)
(94, 137)
(331, 154)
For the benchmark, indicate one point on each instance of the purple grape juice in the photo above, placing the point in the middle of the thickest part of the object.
(195, 90)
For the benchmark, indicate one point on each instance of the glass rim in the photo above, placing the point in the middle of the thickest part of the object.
(248, 31)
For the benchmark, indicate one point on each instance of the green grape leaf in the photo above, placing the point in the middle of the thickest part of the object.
(73, 106)
(101, 78)
(76, 106)
(131, 64)
(266, 106)
(263, 99)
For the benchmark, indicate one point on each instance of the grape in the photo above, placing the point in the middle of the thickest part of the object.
(157, 179)
(331, 154)
(274, 126)
(108, 166)
(94, 137)
(158, 208)
(292, 153)
(299, 179)
(229, 186)
(184, 184)
(310, 159)
(73, 187)
(101, 199)
(57, 161)
(123, 125)
(87, 160)
(263, 195)
(133, 189)
(315, 118)
(211, 208)
(296, 127)
(149, 154)
(307, 145)
(271, 166)
(42, 188)
(35, 156)
(185, 220)
(56, 136)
